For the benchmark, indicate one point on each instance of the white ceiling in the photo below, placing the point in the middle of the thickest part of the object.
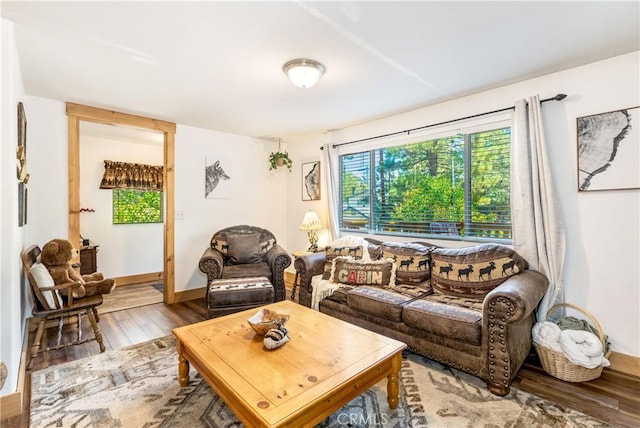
(218, 65)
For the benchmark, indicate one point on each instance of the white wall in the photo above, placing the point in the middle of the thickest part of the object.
(12, 288)
(124, 249)
(602, 273)
(259, 196)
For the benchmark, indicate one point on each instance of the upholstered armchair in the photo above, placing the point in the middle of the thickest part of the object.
(246, 251)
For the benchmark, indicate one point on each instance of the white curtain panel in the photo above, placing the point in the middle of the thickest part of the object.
(330, 156)
(538, 231)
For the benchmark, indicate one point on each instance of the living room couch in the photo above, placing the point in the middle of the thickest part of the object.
(471, 308)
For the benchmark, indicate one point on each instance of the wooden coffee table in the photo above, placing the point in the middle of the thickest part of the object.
(326, 364)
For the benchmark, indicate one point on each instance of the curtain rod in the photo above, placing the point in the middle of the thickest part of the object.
(558, 97)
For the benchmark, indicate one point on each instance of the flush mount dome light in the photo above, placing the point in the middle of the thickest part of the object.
(304, 73)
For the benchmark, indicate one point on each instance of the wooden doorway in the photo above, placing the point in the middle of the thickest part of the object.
(77, 113)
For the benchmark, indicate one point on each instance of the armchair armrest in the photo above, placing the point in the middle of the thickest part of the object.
(508, 317)
(278, 255)
(307, 266)
(211, 264)
(278, 260)
(67, 286)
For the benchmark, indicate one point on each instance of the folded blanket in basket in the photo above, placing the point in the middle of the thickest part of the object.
(583, 348)
(547, 334)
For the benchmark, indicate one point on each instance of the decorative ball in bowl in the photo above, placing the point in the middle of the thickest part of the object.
(266, 319)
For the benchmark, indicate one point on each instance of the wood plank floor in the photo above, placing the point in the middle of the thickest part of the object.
(614, 397)
(130, 296)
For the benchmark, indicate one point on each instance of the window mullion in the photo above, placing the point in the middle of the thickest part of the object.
(373, 222)
(467, 186)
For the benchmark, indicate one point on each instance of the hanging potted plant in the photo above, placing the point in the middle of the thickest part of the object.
(279, 158)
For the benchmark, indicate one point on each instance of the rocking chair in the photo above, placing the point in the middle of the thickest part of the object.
(49, 305)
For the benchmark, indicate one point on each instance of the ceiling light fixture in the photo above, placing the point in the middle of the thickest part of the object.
(304, 73)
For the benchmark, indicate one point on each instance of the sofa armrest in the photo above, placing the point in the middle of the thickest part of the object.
(307, 266)
(210, 264)
(508, 317)
(518, 296)
(278, 260)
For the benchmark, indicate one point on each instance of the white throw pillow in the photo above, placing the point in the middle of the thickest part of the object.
(43, 279)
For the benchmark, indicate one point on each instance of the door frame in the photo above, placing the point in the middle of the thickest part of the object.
(78, 112)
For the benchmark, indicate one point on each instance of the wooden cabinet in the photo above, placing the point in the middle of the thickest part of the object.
(88, 259)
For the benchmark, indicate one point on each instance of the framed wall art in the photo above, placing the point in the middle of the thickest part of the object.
(21, 169)
(217, 178)
(609, 150)
(311, 181)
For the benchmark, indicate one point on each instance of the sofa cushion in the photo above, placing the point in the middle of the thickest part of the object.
(43, 278)
(340, 294)
(445, 320)
(218, 243)
(348, 270)
(353, 241)
(244, 248)
(246, 270)
(333, 252)
(414, 290)
(412, 259)
(267, 245)
(473, 271)
(377, 301)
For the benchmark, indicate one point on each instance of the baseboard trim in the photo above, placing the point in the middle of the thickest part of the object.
(12, 404)
(139, 278)
(625, 363)
(196, 293)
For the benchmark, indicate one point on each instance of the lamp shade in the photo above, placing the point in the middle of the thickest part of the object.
(311, 221)
(304, 73)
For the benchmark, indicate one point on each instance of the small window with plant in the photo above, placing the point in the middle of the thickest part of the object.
(137, 206)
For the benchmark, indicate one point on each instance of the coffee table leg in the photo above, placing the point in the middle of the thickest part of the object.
(392, 381)
(183, 367)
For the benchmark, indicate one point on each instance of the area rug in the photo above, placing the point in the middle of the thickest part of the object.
(138, 387)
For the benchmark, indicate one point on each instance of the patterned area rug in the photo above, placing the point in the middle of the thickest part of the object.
(138, 387)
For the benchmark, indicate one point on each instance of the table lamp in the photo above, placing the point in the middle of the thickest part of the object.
(311, 223)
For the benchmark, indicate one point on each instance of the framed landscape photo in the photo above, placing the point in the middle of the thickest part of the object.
(609, 150)
(311, 181)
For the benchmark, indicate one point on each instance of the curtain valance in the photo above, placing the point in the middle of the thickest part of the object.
(123, 175)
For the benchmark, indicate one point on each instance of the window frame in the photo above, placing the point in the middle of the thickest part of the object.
(115, 206)
(450, 130)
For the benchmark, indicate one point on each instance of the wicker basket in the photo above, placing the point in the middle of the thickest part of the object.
(558, 366)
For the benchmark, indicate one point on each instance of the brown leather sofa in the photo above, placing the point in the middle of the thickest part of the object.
(244, 251)
(472, 309)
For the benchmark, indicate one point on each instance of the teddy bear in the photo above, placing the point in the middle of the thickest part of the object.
(56, 256)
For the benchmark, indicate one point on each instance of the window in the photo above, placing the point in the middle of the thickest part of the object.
(454, 187)
(137, 206)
